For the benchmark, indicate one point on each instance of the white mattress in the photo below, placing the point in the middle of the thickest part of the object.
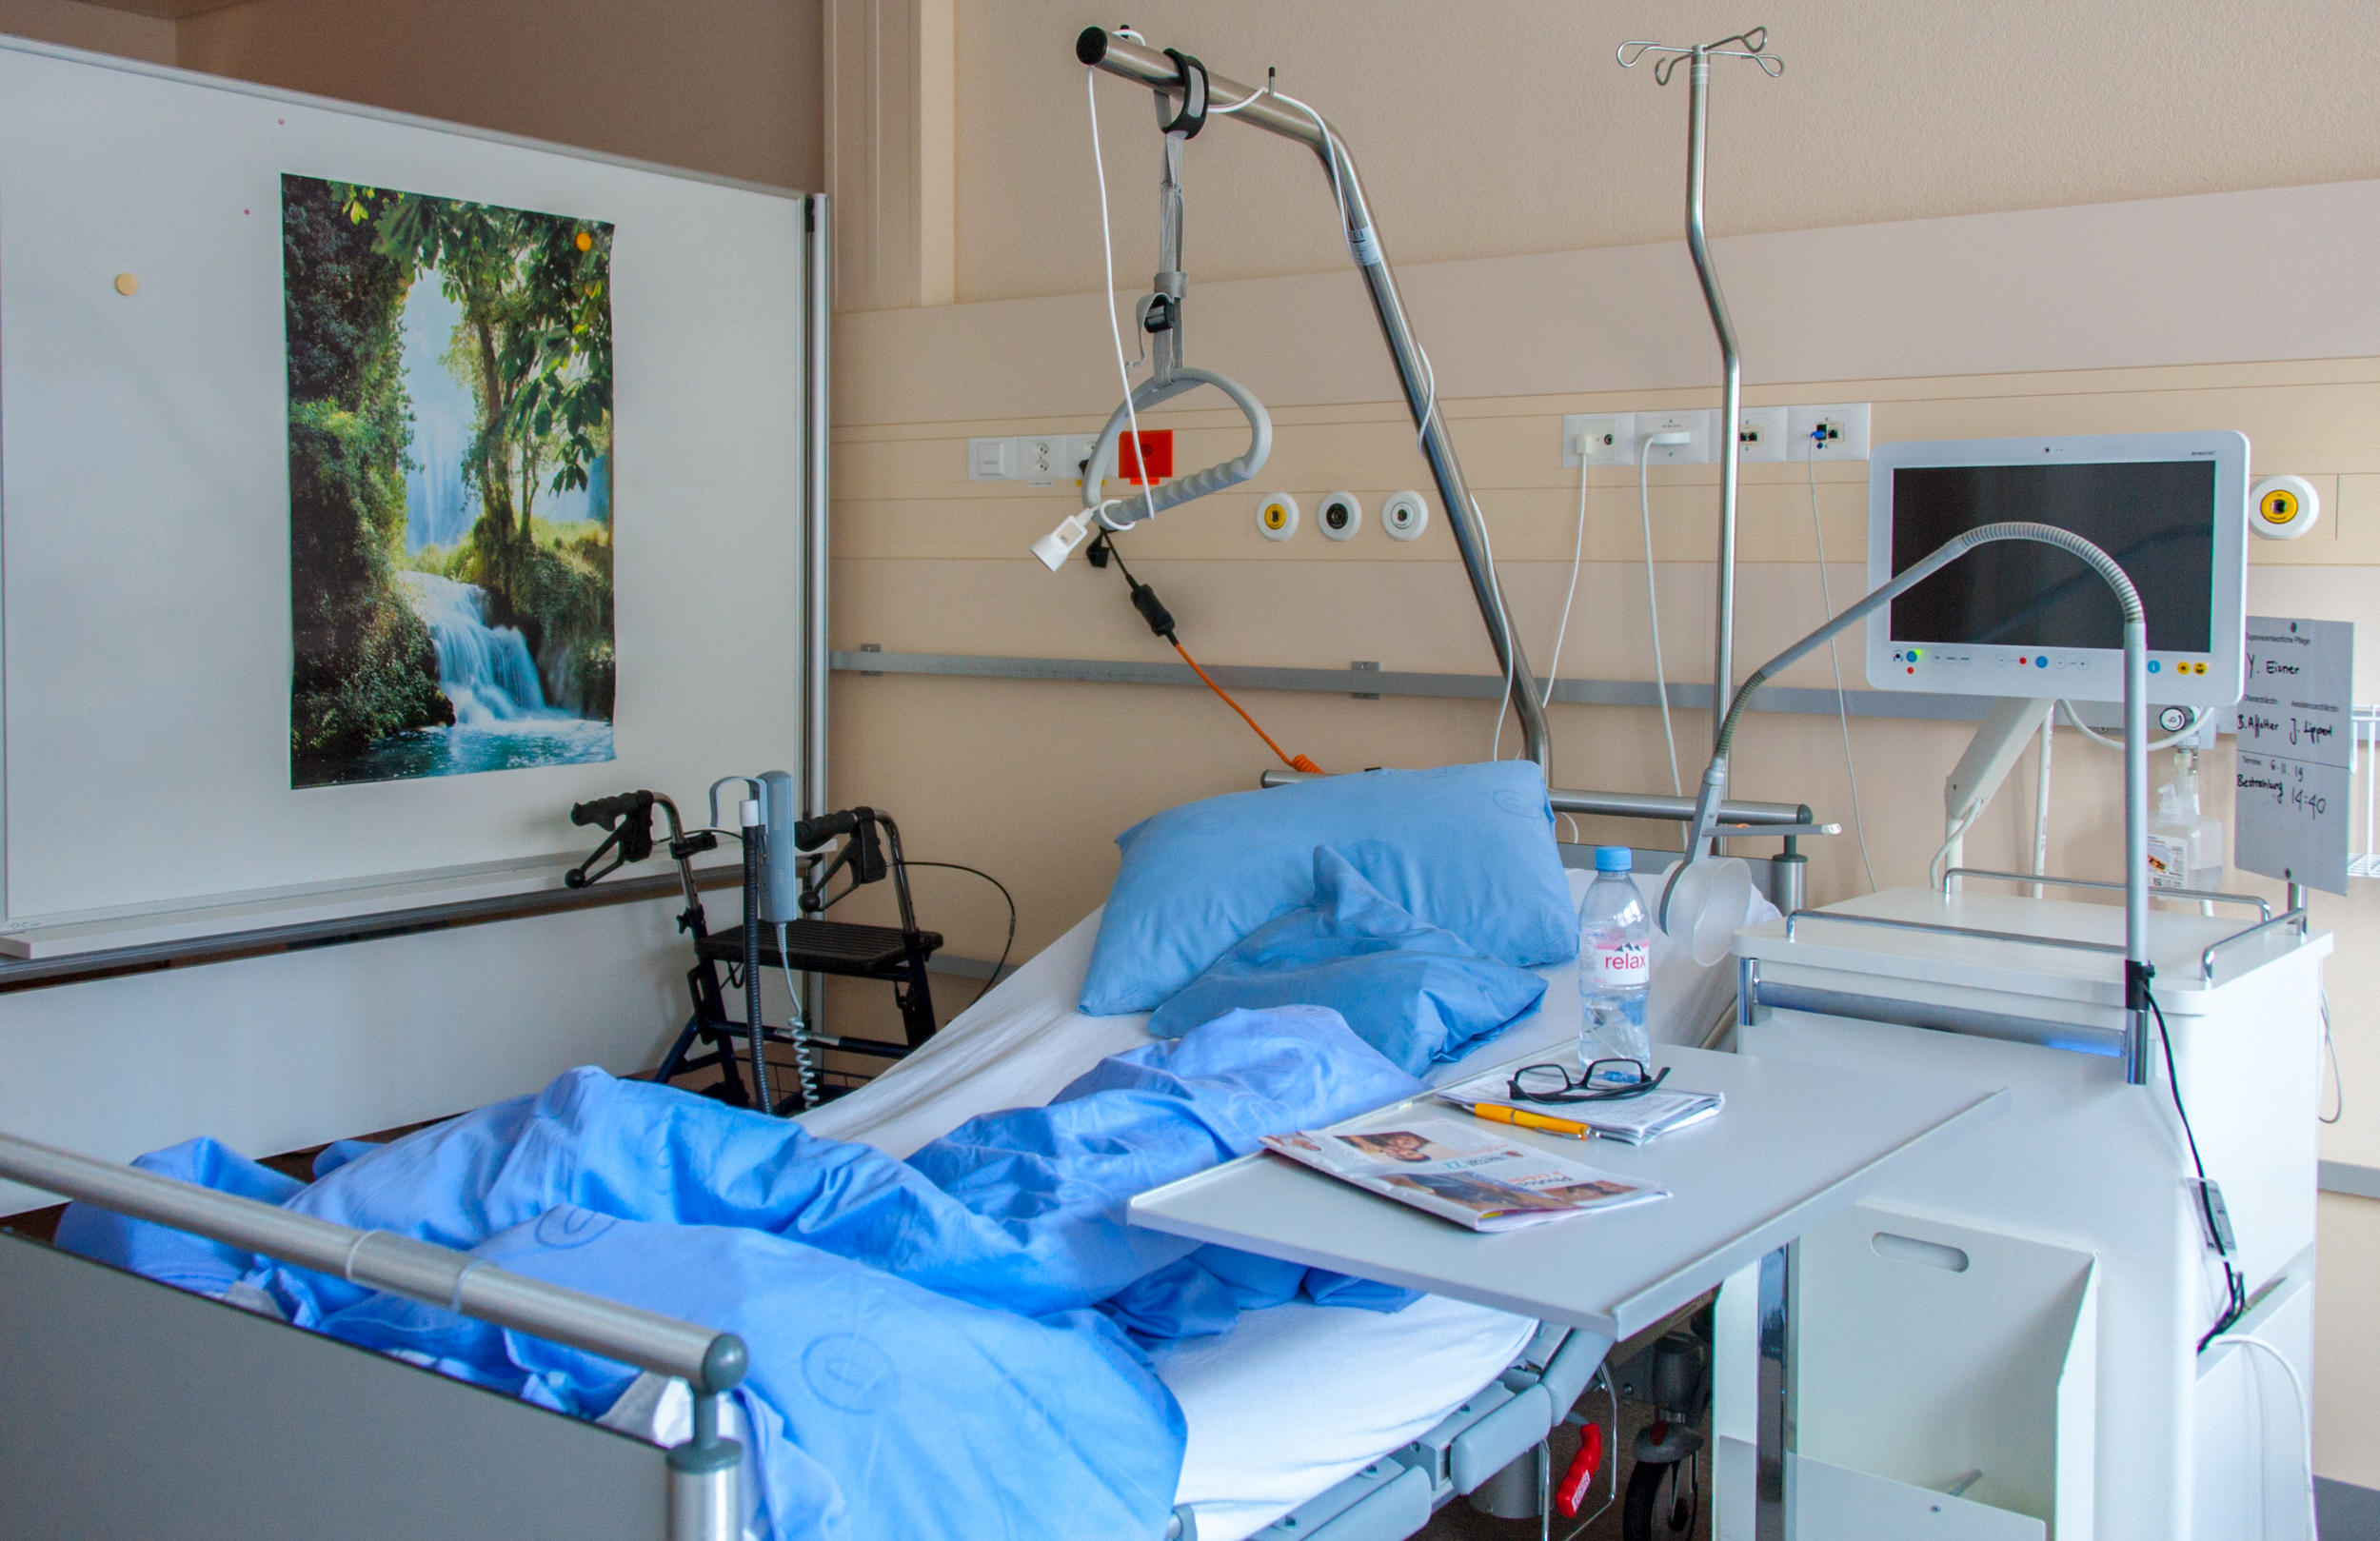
(1298, 1397)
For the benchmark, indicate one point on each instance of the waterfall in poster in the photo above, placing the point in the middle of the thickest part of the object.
(500, 718)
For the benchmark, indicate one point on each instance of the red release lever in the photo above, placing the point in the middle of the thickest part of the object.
(1570, 1495)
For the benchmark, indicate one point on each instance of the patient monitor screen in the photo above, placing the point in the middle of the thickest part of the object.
(2155, 518)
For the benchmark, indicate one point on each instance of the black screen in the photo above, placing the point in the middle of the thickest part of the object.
(2155, 518)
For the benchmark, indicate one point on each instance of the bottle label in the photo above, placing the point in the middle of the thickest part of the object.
(1619, 965)
(2169, 862)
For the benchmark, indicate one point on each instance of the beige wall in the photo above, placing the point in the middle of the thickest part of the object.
(1486, 130)
(728, 87)
(96, 28)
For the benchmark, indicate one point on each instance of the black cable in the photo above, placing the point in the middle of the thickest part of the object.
(2235, 1304)
(1005, 947)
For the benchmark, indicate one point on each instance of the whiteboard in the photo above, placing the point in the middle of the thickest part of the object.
(145, 603)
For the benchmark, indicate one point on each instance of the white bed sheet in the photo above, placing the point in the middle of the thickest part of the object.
(1298, 1397)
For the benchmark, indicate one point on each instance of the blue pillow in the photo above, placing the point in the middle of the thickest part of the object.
(1466, 848)
(1412, 991)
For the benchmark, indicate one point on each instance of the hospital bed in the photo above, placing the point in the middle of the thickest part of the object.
(164, 1405)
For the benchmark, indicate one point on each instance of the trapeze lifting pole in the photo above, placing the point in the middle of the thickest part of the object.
(1167, 73)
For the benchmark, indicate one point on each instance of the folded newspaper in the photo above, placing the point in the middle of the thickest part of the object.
(1463, 1172)
(1631, 1121)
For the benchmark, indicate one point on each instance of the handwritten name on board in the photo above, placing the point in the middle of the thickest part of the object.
(2298, 698)
(2296, 757)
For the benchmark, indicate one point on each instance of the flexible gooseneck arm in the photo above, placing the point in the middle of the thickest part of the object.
(1714, 788)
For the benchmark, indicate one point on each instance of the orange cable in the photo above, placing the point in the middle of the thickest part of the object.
(1299, 762)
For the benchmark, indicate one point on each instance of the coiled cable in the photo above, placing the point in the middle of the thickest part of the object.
(805, 1066)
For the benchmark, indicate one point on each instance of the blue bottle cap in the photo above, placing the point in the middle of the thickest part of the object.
(1614, 858)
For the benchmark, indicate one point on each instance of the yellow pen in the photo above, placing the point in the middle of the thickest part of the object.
(1521, 1118)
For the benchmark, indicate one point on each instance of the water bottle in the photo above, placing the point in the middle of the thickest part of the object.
(1615, 964)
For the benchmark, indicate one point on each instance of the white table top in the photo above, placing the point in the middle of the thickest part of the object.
(1795, 1144)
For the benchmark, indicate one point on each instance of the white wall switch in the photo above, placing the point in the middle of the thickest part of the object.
(1837, 431)
(991, 459)
(1762, 433)
(1600, 438)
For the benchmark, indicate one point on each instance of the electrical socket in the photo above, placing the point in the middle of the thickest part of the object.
(1701, 449)
(1761, 434)
(1074, 449)
(1609, 439)
(1835, 431)
(1038, 456)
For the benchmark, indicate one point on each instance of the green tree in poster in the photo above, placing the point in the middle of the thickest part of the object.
(536, 348)
(365, 667)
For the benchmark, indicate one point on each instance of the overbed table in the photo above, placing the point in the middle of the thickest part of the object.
(1794, 1145)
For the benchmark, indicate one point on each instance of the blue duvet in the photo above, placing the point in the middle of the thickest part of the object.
(947, 1346)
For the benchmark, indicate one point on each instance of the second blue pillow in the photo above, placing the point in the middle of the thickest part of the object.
(1413, 991)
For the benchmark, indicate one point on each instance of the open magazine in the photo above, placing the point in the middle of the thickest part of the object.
(1463, 1172)
(1631, 1121)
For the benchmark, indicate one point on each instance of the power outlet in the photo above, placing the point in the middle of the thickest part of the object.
(1073, 449)
(1699, 423)
(1040, 457)
(1837, 431)
(1762, 433)
(1597, 438)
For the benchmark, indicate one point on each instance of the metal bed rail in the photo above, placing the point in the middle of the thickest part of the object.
(705, 1502)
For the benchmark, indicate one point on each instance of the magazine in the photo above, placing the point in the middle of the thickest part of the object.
(1631, 1121)
(1463, 1172)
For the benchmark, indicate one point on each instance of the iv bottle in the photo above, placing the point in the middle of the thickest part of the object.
(2185, 844)
(1615, 964)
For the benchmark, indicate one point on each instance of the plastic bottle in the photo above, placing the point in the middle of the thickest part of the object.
(1615, 964)
(2185, 844)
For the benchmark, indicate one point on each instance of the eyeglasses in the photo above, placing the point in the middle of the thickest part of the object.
(1606, 1080)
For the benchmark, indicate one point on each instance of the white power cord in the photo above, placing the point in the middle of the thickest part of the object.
(2305, 1414)
(1842, 708)
(1115, 329)
(1652, 596)
(1358, 240)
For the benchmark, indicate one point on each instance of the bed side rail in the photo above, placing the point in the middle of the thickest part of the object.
(706, 1503)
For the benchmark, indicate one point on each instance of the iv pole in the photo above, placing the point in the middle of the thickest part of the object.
(1730, 411)
(1167, 72)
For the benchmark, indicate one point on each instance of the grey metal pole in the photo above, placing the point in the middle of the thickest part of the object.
(817, 524)
(1730, 411)
(1154, 69)
(2136, 970)
(705, 1502)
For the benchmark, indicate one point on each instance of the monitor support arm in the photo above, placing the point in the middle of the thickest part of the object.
(1990, 755)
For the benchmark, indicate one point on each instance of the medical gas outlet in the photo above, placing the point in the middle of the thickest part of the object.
(1277, 516)
(1340, 516)
(1405, 516)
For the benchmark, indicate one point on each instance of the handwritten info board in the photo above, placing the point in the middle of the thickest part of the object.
(2296, 751)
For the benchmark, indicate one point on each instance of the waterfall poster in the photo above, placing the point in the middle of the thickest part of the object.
(450, 515)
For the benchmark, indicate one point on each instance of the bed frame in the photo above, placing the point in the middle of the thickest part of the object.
(139, 1409)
